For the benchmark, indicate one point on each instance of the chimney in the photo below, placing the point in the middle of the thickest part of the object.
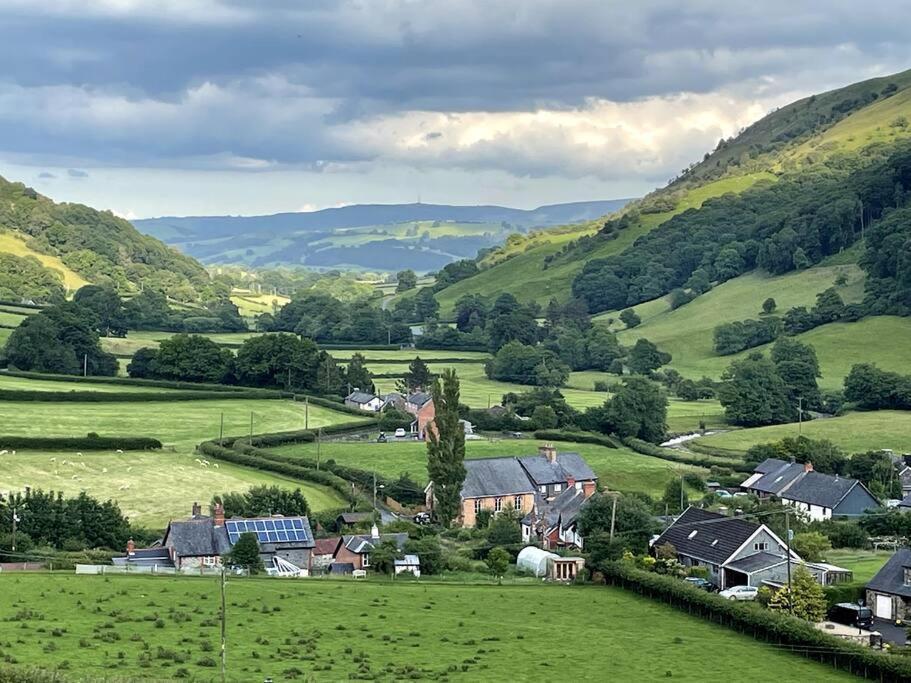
(130, 547)
(808, 467)
(374, 532)
(197, 510)
(570, 483)
(549, 452)
(589, 487)
(219, 514)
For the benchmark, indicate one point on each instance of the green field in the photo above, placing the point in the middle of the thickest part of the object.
(854, 432)
(336, 630)
(864, 563)
(28, 384)
(619, 469)
(687, 332)
(162, 484)
(11, 319)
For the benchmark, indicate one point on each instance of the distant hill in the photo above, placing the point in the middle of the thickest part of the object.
(819, 143)
(67, 245)
(423, 237)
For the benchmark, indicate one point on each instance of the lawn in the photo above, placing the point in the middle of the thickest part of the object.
(335, 630)
(864, 563)
(179, 425)
(161, 485)
(619, 469)
(687, 332)
(854, 432)
(28, 384)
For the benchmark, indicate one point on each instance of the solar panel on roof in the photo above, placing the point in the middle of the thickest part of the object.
(298, 523)
(282, 535)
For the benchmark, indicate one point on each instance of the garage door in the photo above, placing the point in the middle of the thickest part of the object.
(883, 608)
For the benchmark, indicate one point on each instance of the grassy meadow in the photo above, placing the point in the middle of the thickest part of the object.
(864, 563)
(854, 433)
(15, 244)
(335, 630)
(619, 469)
(161, 484)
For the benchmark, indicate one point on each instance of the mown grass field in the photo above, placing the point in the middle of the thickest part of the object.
(864, 563)
(854, 432)
(162, 627)
(11, 319)
(162, 484)
(619, 469)
(28, 384)
(251, 305)
(13, 243)
(687, 332)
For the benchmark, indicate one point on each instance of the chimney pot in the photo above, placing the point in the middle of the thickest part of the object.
(219, 514)
(808, 467)
(588, 488)
(130, 547)
(374, 532)
(549, 452)
(570, 482)
(196, 510)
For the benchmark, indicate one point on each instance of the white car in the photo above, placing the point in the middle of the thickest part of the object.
(399, 433)
(739, 593)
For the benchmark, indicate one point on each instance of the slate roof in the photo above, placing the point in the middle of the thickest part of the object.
(354, 517)
(891, 578)
(567, 466)
(817, 488)
(196, 537)
(326, 546)
(145, 557)
(419, 398)
(365, 543)
(757, 562)
(717, 537)
(770, 465)
(495, 477)
(561, 510)
(361, 397)
(408, 561)
(775, 481)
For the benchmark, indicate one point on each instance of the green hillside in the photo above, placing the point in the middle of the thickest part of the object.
(75, 244)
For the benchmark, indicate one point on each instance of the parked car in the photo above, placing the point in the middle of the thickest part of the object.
(422, 518)
(400, 433)
(700, 583)
(721, 493)
(739, 593)
(381, 438)
(852, 614)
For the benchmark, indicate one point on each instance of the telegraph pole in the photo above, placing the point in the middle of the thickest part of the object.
(787, 526)
(15, 519)
(319, 438)
(224, 619)
(613, 517)
(85, 365)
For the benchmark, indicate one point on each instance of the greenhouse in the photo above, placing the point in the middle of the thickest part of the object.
(534, 561)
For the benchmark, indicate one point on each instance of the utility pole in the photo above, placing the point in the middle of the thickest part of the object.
(681, 493)
(224, 619)
(319, 438)
(374, 489)
(15, 519)
(613, 517)
(85, 365)
(787, 533)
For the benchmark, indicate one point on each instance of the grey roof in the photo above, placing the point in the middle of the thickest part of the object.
(419, 398)
(717, 537)
(145, 557)
(567, 466)
(770, 465)
(341, 567)
(817, 488)
(360, 397)
(408, 561)
(562, 510)
(891, 578)
(757, 562)
(774, 481)
(196, 537)
(365, 543)
(495, 477)
(354, 517)
(905, 502)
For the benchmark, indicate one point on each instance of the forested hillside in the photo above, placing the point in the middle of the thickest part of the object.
(52, 248)
(801, 185)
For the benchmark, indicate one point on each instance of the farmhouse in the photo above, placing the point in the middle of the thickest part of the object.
(553, 523)
(736, 551)
(520, 483)
(362, 400)
(355, 550)
(285, 543)
(820, 496)
(889, 591)
(420, 405)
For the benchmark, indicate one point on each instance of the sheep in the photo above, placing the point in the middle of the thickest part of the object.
(75, 476)
(120, 451)
(104, 470)
(53, 459)
(3, 452)
(78, 454)
(215, 465)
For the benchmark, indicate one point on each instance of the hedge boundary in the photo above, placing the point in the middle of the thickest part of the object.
(135, 381)
(715, 451)
(85, 443)
(576, 437)
(646, 448)
(771, 627)
(34, 396)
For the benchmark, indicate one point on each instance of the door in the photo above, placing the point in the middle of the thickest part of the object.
(883, 607)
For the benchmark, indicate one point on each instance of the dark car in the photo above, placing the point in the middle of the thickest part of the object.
(852, 614)
(700, 583)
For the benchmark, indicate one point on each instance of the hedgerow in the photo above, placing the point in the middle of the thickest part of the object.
(575, 437)
(32, 396)
(654, 451)
(89, 442)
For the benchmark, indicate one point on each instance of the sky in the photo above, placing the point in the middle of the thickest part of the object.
(195, 107)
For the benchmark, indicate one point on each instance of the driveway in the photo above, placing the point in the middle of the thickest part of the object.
(890, 632)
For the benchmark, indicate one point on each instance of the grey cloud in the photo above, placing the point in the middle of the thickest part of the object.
(46, 175)
(76, 173)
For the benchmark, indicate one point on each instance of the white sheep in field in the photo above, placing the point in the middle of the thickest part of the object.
(199, 461)
(3, 452)
(120, 451)
(53, 459)
(78, 454)
(82, 465)
(63, 462)
(75, 477)
(104, 470)
(215, 465)
(130, 468)
(205, 462)
(121, 488)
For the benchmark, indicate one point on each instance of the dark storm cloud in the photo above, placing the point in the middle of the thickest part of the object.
(227, 81)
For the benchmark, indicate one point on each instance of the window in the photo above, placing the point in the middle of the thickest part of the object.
(208, 561)
(543, 489)
(477, 505)
(558, 487)
(693, 533)
(761, 546)
(907, 576)
(517, 502)
(497, 504)
(366, 561)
